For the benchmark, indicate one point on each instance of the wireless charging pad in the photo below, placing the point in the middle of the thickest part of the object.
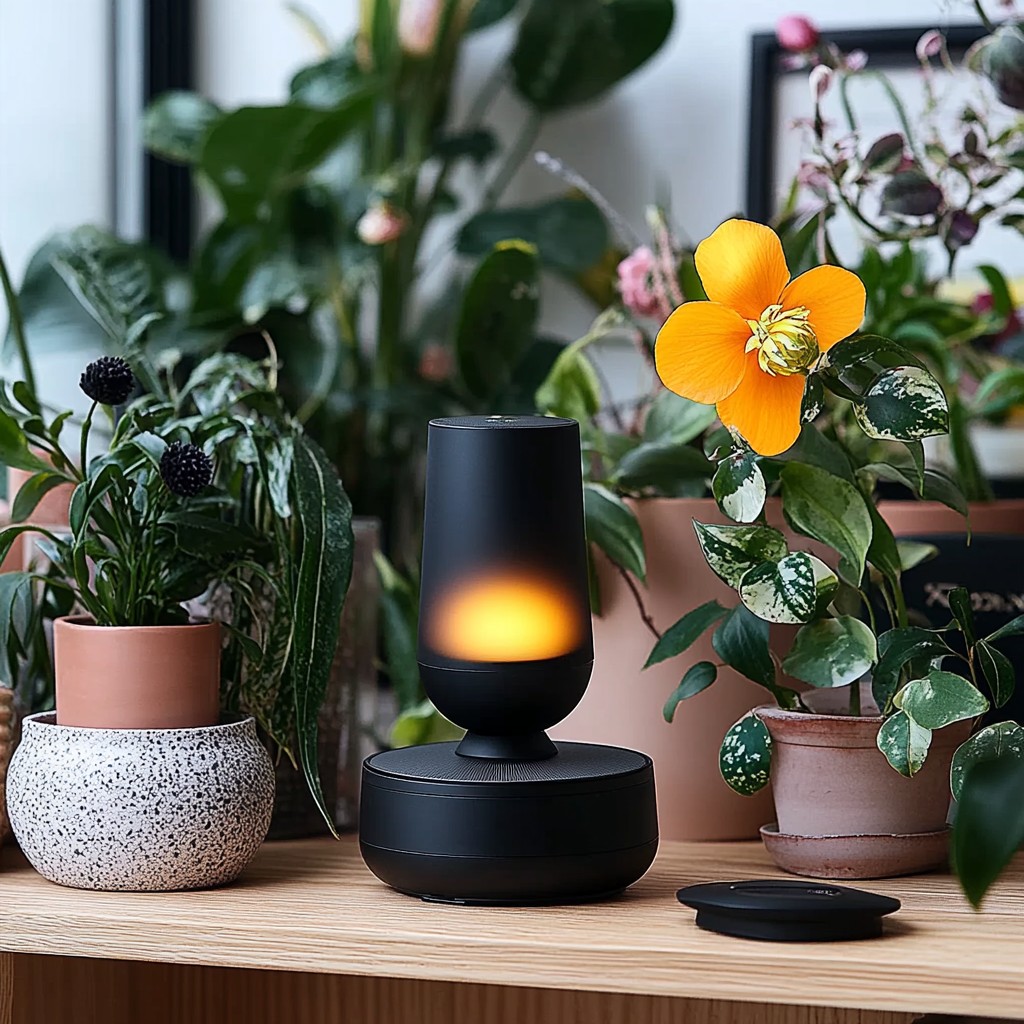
(577, 826)
(777, 910)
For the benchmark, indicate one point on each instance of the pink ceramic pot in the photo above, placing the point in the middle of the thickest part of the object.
(843, 812)
(623, 704)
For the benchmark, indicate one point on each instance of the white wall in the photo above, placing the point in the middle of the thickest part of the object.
(675, 131)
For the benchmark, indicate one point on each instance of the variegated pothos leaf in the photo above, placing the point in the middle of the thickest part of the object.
(905, 403)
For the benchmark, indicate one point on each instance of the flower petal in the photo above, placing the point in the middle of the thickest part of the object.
(742, 265)
(765, 409)
(835, 299)
(699, 352)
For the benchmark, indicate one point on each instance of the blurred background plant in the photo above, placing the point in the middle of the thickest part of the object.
(914, 195)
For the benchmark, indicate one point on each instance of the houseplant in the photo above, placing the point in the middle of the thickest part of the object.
(764, 351)
(337, 211)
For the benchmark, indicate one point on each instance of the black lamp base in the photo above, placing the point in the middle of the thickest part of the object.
(578, 826)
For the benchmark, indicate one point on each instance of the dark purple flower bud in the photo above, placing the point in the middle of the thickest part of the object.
(911, 193)
(961, 230)
(108, 380)
(186, 469)
(1000, 58)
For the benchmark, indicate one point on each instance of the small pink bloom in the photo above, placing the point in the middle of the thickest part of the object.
(796, 33)
(820, 80)
(636, 283)
(382, 223)
(813, 176)
(418, 22)
(436, 363)
(929, 45)
(855, 60)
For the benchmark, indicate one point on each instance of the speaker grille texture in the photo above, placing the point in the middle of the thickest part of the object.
(440, 763)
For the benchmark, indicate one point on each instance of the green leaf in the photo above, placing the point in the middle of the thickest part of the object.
(675, 420)
(1002, 301)
(698, 677)
(732, 551)
(253, 155)
(832, 652)
(399, 608)
(787, 590)
(741, 641)
(904, 404)
(960, 606)
(475, 144)
(745, 759)
(570, 235)
(904, 743)
(613, 527)
(32, 492)
(574, 51)
(571, 388)
(680, 635)
(827, 508)
(972, 480)
(884, 553)
(851, 367)
(897, 648)
(15, 589)
(175, 125)
(423, 724)
(661, 465)
(815, 449)
(330, 83)
(998, 671)
(498, 318)
(913, 553)
(940, 699)
(1015, 627)
(325, 568)
(989, 826)
(487, 12)
(1004, 739)
(739, 487)
(14, 450)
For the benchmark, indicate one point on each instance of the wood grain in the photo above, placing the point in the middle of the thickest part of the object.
(312, 906)
(6, 987)
(52, 990)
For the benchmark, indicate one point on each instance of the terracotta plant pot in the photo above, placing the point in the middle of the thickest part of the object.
(6, 749)
(137, 677)
(623, 703)
(140, 810)
(843, 812)
(920, 518)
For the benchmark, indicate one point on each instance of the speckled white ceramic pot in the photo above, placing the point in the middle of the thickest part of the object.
(140, 810)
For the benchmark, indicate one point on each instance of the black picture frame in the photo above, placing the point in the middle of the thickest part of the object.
(169, 40)
(887, 48)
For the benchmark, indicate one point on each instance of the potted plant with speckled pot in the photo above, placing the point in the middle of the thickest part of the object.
(207, 487)
(861, 763)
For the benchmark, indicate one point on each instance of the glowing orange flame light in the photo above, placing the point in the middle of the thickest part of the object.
(512, 616)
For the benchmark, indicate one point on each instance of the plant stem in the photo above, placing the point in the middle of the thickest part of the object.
(517, 153)
(84, 442)
(17, 325)
(645, 615)
(985, 19)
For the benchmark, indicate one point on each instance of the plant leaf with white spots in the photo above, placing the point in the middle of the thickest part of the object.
(940, 699)
(731, 551)
(782, 591)
(745, 758)
(1004, 739)
(832, 652)
(739, 487)
(904, 404)
(904, 743)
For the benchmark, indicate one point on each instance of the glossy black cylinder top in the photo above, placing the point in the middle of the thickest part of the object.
(505, 644)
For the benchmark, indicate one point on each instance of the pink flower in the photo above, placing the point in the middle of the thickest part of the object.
(820, 79)
(382, 223)
(636, 283)
(796, 33)
(418, 22)
(813, 176)
(436, 363)
(855, 60)
(929, 45)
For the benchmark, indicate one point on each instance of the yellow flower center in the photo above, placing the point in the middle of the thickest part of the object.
(784, 340)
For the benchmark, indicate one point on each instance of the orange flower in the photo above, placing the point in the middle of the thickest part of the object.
(748, 350)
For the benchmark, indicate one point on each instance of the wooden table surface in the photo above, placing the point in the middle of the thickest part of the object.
(312, 906)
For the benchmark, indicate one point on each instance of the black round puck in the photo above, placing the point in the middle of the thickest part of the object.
(778, 910)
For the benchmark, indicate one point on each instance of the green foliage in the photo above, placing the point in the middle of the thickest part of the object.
(698, 677)
(904, 743)
(613, 527)
(732, 551)
(739, 487)
(1002, 740)
(940, 699)
(680, 635)
(832, 652)
(746, 756)
(789, 590)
